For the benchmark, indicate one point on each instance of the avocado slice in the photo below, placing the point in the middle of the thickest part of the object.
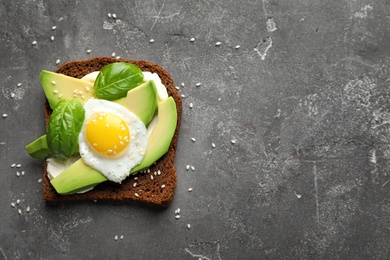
(142, 101)
(57, 86)
(80, 176)
(39, 149)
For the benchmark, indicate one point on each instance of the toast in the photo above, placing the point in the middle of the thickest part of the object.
(157, 190)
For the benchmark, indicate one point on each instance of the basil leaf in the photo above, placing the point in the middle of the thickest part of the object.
(116, 79)
(64, 127)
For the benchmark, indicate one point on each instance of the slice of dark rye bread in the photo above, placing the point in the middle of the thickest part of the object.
(157, 190)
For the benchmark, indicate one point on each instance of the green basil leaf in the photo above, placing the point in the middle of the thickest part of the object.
(64, 127)
(116, 79)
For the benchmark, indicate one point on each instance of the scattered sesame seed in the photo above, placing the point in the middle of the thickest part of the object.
(148, 170)
(177, 216)
(121, 237)
(60, 96)
(39, 180)
(134, 184)
(159, 172)
(219, 99)
(28, 209)
(19, 211)
(34, 43)
(13, 165)
(5, 115)
(58, 61)
(113, 54)
(89, 51)
(13, 205)
(17, 201)
(189, 189)
(193, 139)
(187, 167)
(12, 95)
(151, 40)
(17, 174)
(19, 84)
(233, 141)
(53, 82)
(22, 173)
(135, 178)
(198, 84)
(183, 96)
(54, 27)
(151, 177)
(177, 87)
(136, 194)
(52, 38)
(163, 186)
(188, 226)
(192, 39)
(114, 16)
(178, 210)
(18, 165)
(109, 15)
(217, 43)
(182, 84)
(193, 168)
(155, 173)
(55, 91)
(116, 237)
(213, 145)
(118, 57)
(191, 105)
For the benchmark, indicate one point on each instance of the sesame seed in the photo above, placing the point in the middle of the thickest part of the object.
(58, 61)
(135, 178)
(34, 43)
(163, 186)
(178, 210)
(136, 194)
(13, 205)
(183, 96)
(148, 170)
(17, 201)
(177, 216)
(107, 125)
(213, 145)
(23, 173)
(192, 39)
(19, 211)
(5, 115)
(53, 82)
(151, 177)
(151, 40)
(94, 144)
(188, 226)
(17, 174)
(177, 87)
(52, 38)
(28, 209)
(233, 141)
(134, 184)
(189, 189)
(89, 51)
(118, 57)
(182, 84)
(187, 167)
(193, 168)
(54, 27)
(55, 91)
(237, 47)
(12, 95)
(116, 237)
(121, 237)
(198, 84)
(217, 43)
(219, 99)
(19, 84)
(13, 165)
(87, 89)
(60, 96)
(39, 180)
(109, 15)
(159, 172)
(191, 105)
(193, 139)
(18, 165)
(113, 54)
(114, 16)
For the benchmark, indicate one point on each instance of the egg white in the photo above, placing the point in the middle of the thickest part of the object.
(115, 169)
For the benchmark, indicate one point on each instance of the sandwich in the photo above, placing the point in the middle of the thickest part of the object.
(104, 174)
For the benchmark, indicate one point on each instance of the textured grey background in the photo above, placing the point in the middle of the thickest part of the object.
(306, 97)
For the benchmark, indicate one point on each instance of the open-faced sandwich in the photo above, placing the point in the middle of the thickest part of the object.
(112, 128)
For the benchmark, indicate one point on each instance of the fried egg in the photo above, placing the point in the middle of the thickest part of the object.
(112, 139)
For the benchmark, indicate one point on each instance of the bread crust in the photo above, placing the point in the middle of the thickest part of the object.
(147, 190)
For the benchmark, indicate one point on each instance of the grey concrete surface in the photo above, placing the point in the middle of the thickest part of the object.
(305, 97)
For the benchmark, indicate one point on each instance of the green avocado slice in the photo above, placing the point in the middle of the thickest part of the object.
(39, 149)
(80, 176)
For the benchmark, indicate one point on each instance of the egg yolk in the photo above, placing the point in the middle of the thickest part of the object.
(107, 134)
